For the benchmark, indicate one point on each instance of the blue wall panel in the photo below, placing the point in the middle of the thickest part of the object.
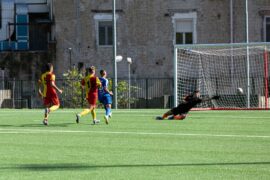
(22, 32)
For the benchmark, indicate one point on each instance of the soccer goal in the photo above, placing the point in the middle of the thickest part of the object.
(221, 69)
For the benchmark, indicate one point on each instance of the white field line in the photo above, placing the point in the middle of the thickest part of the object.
(23, 131)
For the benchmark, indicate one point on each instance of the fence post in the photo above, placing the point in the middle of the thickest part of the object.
(147, 96)
(21, 93)
(113, 103)
(13, 93)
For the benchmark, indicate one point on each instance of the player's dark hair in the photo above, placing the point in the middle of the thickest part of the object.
(91, 69)
(102, 72)
(48, 67)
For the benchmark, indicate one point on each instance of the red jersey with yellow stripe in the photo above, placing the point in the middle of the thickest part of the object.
(91, 84)
(45, 80)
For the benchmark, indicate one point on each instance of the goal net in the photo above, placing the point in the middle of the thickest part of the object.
(221, 70)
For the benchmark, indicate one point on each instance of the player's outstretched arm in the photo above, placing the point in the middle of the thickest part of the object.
(216, 97)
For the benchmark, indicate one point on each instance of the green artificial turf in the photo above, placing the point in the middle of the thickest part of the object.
(206, 145)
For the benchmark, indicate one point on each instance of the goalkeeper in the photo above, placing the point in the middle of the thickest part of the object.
(180, 112)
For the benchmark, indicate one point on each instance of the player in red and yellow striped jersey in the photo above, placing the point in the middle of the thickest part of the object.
(90, 83)
(49, 95)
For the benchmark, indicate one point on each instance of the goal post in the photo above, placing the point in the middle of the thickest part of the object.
(219, 69)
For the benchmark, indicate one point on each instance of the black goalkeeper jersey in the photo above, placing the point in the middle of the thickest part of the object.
(185, 107)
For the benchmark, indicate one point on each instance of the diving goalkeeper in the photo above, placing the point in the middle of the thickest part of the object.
(180, 112)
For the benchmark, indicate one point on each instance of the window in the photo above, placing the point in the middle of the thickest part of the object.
(184, 32)
(267, 28)
(104, 29)
(105, 33)
(185, 28)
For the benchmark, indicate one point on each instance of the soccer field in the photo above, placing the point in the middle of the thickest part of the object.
(206, 145)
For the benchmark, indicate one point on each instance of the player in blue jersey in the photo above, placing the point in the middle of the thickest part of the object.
(104, 95)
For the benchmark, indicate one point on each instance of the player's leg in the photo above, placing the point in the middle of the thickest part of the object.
(180, 117)
(101, 100)
(94, 115)
(108, 109)
(46, 116)
(165, 115)
(109, 102)
(104, 103)
(54, 101)
(168, 113)
(92, 102)
(108, 113)
(83, 113)
(48, 110)
(54, 108)
(46, 103)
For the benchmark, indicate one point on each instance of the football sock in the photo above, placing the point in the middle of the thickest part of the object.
(108, 111)
(46, 114)
(94, 115)
(54, 107)
(84, 112)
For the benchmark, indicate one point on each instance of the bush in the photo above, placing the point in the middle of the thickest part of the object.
(73, 96)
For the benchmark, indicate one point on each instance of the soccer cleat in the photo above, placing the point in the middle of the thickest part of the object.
(171, 117)
(159, 118)
(45, 122)
(77, 118)
(96, 121)
(106, 119)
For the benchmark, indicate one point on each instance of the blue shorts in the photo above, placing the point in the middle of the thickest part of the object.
(106, 99)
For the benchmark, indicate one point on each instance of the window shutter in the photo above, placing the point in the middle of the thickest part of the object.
(184, 26)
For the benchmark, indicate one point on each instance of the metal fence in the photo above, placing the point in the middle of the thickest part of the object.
(140, 93)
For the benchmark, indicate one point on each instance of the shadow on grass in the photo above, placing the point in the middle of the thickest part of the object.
(39, 125)
(6, 125)
(75, 167)
(50, 125)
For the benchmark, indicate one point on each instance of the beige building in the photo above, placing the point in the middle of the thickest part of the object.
(148, 29)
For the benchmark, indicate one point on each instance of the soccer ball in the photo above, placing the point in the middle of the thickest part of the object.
(239, 91)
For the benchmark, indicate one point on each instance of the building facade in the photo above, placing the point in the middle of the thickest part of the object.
(25, 37)
(148, 30)
(79, 33)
